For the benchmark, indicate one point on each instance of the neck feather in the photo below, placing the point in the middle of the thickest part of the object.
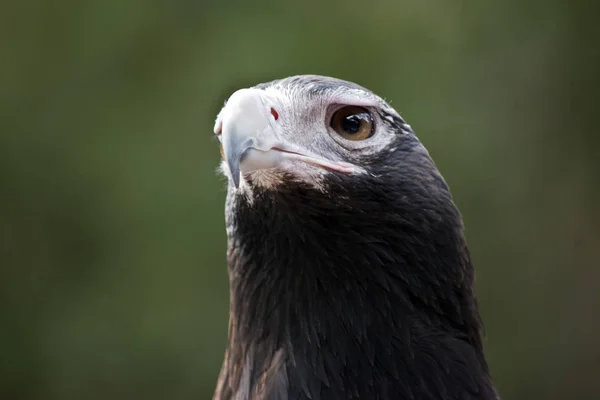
(326, 293)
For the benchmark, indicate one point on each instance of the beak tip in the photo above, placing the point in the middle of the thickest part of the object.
(234, 169)
(234, 152)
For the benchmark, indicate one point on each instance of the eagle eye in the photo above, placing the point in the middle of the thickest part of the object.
(353, 123)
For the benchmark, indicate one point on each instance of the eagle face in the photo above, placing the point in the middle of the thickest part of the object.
(308, 129)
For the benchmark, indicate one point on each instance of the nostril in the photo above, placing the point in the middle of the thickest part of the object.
(274, 114)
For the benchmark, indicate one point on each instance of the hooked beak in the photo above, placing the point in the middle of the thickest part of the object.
(247, 128)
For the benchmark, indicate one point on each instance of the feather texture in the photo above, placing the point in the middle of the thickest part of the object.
(359, 289)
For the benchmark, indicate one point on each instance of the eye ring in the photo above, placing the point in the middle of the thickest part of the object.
(353, 123)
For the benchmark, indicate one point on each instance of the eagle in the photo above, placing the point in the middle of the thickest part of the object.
(350, 276)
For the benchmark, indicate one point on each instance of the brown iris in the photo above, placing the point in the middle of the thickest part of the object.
(353, 123)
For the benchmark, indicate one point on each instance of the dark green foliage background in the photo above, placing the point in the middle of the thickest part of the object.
(113, 280)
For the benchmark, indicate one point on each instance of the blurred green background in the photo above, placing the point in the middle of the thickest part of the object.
(113, 279)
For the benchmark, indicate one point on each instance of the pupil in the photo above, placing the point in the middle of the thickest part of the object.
(351, 124)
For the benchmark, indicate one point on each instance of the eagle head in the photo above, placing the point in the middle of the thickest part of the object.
(309, 128)
(349, 271)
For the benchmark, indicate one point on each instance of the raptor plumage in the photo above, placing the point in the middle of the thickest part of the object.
(350, 275)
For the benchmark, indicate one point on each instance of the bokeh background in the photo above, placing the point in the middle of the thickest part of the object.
(113, 279)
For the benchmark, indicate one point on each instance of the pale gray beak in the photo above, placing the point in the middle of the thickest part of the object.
(246, 129)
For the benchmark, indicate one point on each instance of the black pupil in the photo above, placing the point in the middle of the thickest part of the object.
(351, 124)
